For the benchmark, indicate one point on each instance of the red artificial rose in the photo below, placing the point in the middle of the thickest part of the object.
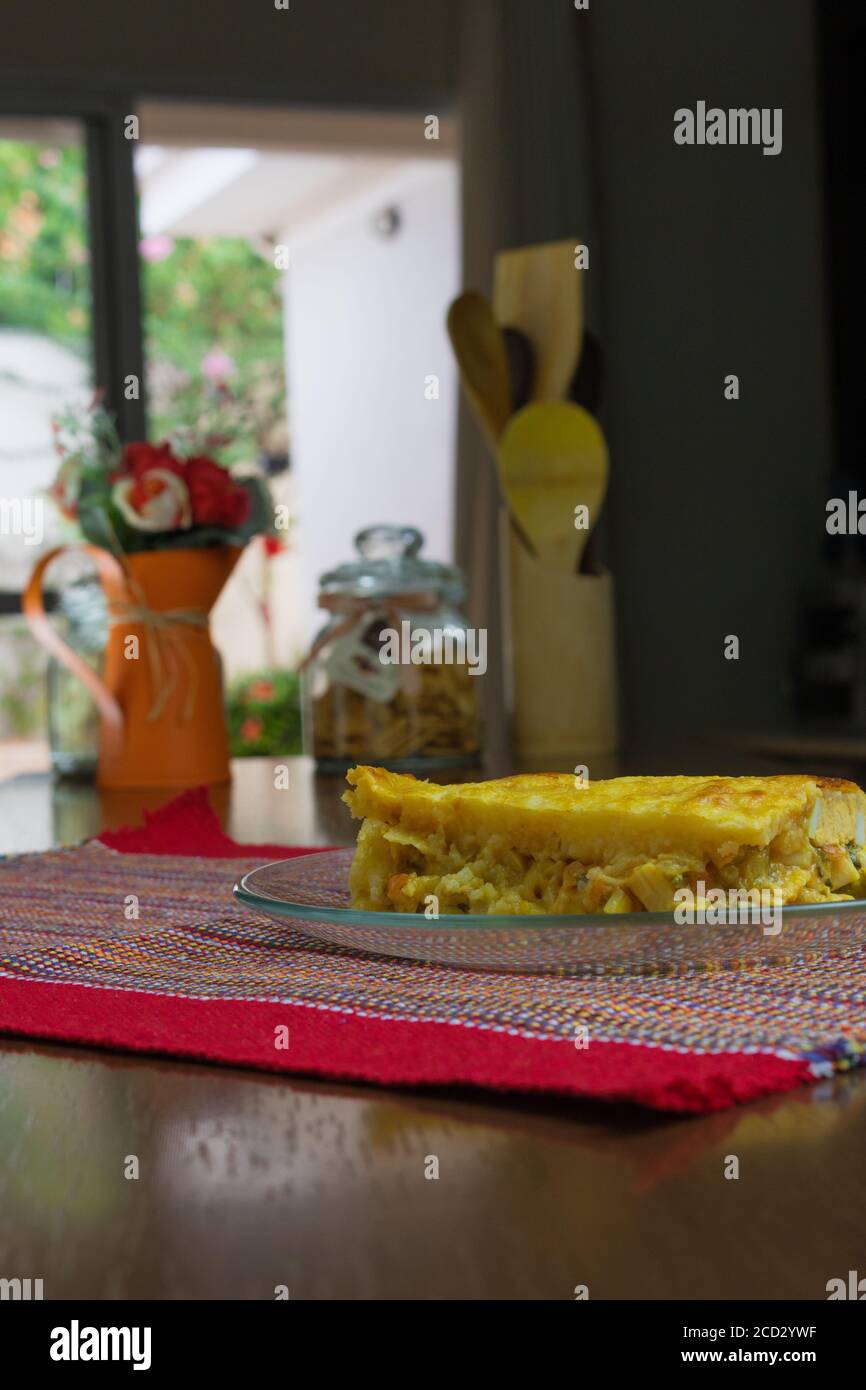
(217, 500)
(251, 730)
(139, 458)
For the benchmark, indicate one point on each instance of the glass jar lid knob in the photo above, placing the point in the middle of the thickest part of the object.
(389, 542)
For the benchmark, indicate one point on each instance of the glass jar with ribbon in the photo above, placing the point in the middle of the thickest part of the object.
(393, 676)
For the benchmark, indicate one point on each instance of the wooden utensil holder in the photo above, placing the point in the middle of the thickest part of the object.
(563, 661)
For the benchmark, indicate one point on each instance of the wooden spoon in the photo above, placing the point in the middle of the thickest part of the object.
(538, 290)
(552, 459)
(480, 352)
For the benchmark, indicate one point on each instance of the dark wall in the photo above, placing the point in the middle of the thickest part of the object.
(842, 30)
(704, 262)
(391, 52)
(711, 262)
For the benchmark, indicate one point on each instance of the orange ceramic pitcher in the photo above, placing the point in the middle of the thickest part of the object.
(160, 699)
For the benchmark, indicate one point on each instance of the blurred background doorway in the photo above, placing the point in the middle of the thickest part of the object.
(295, 269)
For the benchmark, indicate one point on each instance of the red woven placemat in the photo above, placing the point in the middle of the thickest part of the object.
(196, 975)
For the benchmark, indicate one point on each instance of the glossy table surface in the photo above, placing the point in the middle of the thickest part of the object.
(249, 1181)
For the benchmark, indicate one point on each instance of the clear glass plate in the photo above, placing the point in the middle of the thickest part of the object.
(312, 892)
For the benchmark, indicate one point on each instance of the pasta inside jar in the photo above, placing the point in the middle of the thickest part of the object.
(394, 675)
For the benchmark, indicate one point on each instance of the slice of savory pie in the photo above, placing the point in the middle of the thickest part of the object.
(543, 844)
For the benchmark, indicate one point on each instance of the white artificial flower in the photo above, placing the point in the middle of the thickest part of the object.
(162, 501)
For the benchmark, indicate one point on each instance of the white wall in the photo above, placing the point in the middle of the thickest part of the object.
(37, 378)
(365, 327)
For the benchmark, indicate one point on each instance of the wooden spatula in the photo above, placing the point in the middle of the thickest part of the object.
(480, 352)
(538, 290)
(552, 459)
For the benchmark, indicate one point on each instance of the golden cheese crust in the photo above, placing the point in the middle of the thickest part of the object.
(704, 816)
(544, 843)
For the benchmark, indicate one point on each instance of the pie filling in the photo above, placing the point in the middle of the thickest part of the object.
(397, 870)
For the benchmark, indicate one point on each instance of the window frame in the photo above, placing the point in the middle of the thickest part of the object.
(117, 327)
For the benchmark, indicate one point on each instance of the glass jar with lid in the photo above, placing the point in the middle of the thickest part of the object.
(393, 677)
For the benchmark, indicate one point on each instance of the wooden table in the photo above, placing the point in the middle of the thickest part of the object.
(249, 1181)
